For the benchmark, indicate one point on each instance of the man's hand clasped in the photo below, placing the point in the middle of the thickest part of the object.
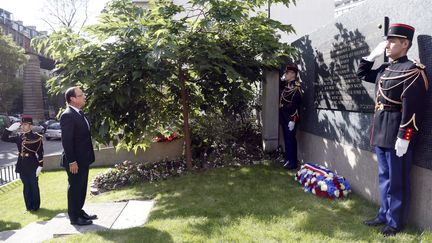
(73, 167)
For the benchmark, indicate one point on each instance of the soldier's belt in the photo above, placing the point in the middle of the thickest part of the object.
(287, 105)
(385, 107)
(26, 154)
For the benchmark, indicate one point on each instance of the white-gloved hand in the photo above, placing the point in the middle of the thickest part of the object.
(38, 170)
(291, 125)
(401, 146)
(378, 51)
(14, 127)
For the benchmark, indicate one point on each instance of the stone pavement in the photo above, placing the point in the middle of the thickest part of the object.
(118, 215)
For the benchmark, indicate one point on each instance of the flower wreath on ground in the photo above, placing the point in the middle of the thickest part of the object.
(322, 181)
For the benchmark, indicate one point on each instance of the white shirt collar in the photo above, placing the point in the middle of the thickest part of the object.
(73, 107)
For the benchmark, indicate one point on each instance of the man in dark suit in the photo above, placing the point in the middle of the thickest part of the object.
(400, 88)
(78, 154)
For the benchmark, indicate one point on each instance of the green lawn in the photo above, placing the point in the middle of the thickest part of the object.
(53, 187)
(258, 203)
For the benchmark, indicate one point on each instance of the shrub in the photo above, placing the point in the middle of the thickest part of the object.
(218, 143)
(127, 173)
(224, 140)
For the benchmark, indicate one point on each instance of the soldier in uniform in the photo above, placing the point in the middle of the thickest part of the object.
(400, 91)
(30, 159)
(289, 105)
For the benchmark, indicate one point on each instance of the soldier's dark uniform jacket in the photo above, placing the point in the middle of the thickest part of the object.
(400, 95)
(290, 99)
(30, 149)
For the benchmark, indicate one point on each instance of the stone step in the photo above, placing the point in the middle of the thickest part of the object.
(134, 214)
(118, 215)
(4, 235)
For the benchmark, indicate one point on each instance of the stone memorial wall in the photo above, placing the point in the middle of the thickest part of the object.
(335, 120)
(338, 105)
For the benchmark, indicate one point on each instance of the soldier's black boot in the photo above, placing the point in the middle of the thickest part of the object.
(374, 222)
(389, 231)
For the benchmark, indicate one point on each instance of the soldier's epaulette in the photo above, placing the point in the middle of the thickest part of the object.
(40, 135)
(418, 64)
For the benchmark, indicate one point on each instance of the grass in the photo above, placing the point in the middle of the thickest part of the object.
(258, 203)
(53, 188)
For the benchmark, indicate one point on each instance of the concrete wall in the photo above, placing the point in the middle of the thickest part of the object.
(270, 111)
(360, 167)
(109, 156)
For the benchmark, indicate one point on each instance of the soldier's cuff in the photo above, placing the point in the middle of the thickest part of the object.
(41, 162)
(295, 117)
(368, 59)
(407, 133)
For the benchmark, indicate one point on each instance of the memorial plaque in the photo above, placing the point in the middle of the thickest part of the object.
(337, 86)
(336, 104)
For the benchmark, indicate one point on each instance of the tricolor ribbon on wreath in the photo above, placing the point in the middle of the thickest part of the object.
(322, 181)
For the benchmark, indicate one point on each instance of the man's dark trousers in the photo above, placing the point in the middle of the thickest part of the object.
(77, 191)
(290, 141)
(394, 186)
(31, 191)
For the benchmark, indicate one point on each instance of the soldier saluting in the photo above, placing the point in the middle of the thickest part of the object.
(400, 93)
(30, 159)
(289, 105)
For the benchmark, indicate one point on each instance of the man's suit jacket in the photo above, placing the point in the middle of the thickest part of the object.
(76, 139)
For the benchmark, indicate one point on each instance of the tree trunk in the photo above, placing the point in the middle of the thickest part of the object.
(186, 131)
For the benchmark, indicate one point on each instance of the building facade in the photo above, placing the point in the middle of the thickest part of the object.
(34, 102)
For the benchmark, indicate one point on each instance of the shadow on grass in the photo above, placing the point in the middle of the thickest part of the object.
(256, 203)
(7, 225)
(10, 186)
(46, 214)
(265, 194)
(144, 234)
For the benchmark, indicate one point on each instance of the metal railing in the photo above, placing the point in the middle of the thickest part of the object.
(8, 174)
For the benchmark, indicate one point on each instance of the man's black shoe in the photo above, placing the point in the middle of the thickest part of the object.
(389, 231)
(89, 217)
(374, 222)
(81, 221)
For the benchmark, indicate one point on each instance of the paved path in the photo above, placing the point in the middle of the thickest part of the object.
(120, 215)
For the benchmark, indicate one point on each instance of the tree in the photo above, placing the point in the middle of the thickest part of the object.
(72, 14)
(11, 59)
(148, 70)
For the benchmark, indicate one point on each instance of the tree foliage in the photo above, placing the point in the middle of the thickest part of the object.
(148, 70)
(11, 59)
